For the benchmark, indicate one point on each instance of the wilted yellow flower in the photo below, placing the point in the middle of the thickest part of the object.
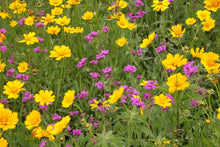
(2, 66)
(13, 23)
(55, 2)
(190, 21)
(29, 20)
(23, 67)
(3, 142)
(63, 21)
(60, 52)
(53, 30)
(88, 15)
(12, 88)
(117, 94)
(177, 82)
(132, 26)
(162, 101)
(212, 5)
(8, 119)
(44, 97)
(30, 38)
(202, 15)
(33, 119)
(160, 5)
(18, 7)
(57, 11)
(121, 42)
(208, 24)
(197, 54)
(177, 31)
(47, 19)
(68, 98)
(147, 41)
(123, 22)
(208, 61)
(172, 62)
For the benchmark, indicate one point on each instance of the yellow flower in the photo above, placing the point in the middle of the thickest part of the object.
(197, 54)
(29, 20)
(212, 5)
(44, 97)
(121, 42)
(55, 2)
(60, 52)
(57, 11)
(8, 119)
(30, 38)
(13, 23)
(47, 19)
(66, 6)
(177, 31)
(117, 94)
(208, 61)
(122, 4)
(3, 142)
(78, 30)
(123, 22)
(68, 98)
(162, 101)
(70, 30)
(33, 119)
(18, 7)
(144, 82)
(88, 15)
(177, 82)
(160, 5)
(2, 66)
(208, 24)
(172, 62)
(23, 67)
(147, 41)
(190, 21)
(202, 15)
(62, 21)
(112, 7)
(97, 104)
(12, 88)
(2, 37)
(4, 14)
(218, 116)
(53, 30)
(132, 26)
(74, 2)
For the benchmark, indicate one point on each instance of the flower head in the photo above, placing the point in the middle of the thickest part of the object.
(60, 52)
(208, 61)
(68, 98)
(2, 66)
(47, 19)
(117, 94)
(160, 5)
(172, 62)
(121, 42)
(177, 31)
(162, 101)
(147, 41)
(62, 21)
(18, 7)
(202, 15)
(3, 142)
(33, 119)
(23, 67)
(123, 22)
(44, 97)
(53, 30)
(197, 54)
(29, 21)
(208, 24)
(212, 5)
(55, 2)
(57, 11)
(190, 21)
(30, 38)
(12, 88)
(88, 15)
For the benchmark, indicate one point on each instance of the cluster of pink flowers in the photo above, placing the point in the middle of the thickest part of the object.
(37, 49)
(94, 75)
(138, 14)
(28, 96)
(107, 71)
(100, 85)
(4, 48)
(83, 95)
(56, 116)
(151, 85)
(82, 62)
(91, 36)
(102, 55)
(22, 77)
(130, 68)
(189, 69)
(105, 29)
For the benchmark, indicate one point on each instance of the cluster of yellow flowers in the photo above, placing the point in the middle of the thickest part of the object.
(18, 7)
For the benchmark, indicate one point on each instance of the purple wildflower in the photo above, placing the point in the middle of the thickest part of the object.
(56, 116)
(83, 95)
(73, 113)
(27, 96)
(138, 3)
(40, 39)
(94, 75)
(22, 77)
(21, 22)
(37, 49)
(100, 85)
(189, 69)
(194, 102)
(10, 72)
(43, 143)
(3, 30)
(39, 24)
(76, 133)
(82, 62)
(151, 85)
(94, 62)
(4, 48)
(11, 60)
(105, 29)
(130, 68)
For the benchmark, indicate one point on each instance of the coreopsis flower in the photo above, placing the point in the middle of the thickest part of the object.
(55, 2)
(60, 52)
(12, 88)
(123, 22)
(2, 66)
(23, 67)
(30, 38)
(121, 42)
(147, 41)
(2, 37)
(208, 24)
(33, 119)
(177, 82)
(209, 62)
(112, 7)
(177, 31)
(57, 11)
(117, 94)
(69, 30)
(53, 30)
(190, 21)
(132, 26)
(47, 19)
(160, 5)
(68, 98)
(122, 4)
(78, 30)
(18, 7)
(88, 15)
(172, 62)
(74, 2)
(44, 97)
(13, 23)
(162, 100)
(202, 15)
(96, 104)
(8, 118)
(197, 54)
(212, 5)
(4, 15)
(62, 21)
(3, 142)
(29, 20)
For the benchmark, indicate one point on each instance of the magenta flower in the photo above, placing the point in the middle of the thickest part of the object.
(151, 85)
(94, 62)
(10, 72)
(138, 3)
(189, 69)
(76, 133)
(105, 29)
(100, 85)
(83, 95)
(56, 116)
(130, 68)
(4, 48)
(94, 75)
(82, 62)
(11, 60)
